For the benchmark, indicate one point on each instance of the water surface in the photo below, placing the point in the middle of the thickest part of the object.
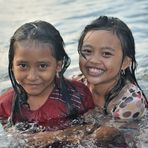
(70, 17)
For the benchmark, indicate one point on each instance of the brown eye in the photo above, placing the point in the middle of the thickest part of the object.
(107, 54)
(23, 66)
(86, 52)
(43, 66)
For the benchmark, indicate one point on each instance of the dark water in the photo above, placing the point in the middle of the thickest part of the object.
(70, 17)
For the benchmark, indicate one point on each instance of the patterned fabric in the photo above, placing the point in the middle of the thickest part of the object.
(128, 104)
(54, 112)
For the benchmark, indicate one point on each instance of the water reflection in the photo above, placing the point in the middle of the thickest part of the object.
(70, 17)
(92, 130)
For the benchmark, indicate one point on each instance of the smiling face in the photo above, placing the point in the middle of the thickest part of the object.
(103, 57)
(35, 67)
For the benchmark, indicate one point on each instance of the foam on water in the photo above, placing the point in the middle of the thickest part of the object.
(70, 17)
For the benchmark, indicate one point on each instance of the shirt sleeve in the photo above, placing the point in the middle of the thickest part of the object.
(88, 99)
(5, 106)
(84, 93)
(130, 106)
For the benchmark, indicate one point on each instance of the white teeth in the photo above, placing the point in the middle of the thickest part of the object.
(95, 71)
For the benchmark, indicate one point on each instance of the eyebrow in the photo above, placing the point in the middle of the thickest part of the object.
(20, 61)
(105, 47)
(87, 45)
(25, 61)
(43, 62)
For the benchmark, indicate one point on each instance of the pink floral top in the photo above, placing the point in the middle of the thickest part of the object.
(128, 104)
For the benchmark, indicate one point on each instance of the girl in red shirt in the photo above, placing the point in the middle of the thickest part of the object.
(40, 93)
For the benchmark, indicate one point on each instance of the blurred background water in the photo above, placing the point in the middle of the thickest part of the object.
(70, 17)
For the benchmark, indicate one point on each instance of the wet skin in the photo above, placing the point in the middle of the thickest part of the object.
(35, 67)
(103, 60)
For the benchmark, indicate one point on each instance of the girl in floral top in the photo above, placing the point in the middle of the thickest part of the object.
(107, 61)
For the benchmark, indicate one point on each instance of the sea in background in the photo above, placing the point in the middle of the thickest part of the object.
(70, 17)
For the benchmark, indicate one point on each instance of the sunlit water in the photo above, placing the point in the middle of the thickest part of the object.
(70, 17)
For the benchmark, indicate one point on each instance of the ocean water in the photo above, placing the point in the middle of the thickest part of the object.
(70, 17)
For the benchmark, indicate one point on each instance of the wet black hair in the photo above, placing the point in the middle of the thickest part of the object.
(126, 38)
(42, 32)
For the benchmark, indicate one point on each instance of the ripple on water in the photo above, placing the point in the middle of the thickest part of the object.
(88, 131)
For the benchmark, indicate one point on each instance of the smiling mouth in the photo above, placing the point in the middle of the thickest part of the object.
(95, 71)
(32, 85)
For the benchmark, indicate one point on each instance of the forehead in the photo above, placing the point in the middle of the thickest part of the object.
(31, 44)
(32, 48)
(101, 34)
(102, 38)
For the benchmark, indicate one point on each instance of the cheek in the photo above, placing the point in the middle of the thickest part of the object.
(19, 77)
(82, 61)
(114, 68)
(17, 74)
(47, 76)
(82, 65)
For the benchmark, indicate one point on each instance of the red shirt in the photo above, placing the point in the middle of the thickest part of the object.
(54, 112)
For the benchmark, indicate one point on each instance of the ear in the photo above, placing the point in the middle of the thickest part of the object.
(59, 66)
(126, 63)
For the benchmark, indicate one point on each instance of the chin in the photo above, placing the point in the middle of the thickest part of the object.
(33, 93)
(93, 81)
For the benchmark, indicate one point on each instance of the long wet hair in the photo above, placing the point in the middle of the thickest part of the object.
(41, 32)
(126, 38)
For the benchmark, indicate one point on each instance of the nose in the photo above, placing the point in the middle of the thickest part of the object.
(95, 58)
(32, 74)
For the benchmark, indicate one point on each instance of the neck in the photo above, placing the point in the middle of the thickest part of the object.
(99, 91)
(35, 102)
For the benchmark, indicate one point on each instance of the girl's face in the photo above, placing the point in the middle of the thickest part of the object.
(104, 57)
(35, 67)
